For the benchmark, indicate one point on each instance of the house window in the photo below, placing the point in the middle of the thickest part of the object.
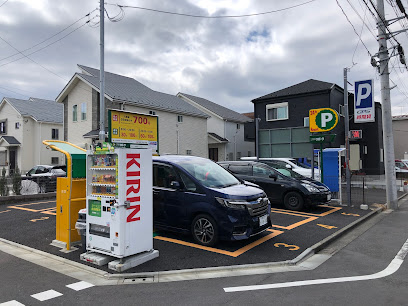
(179, 119)
(17, 125)
(188, 152)
(54, 134)
(54, 160)
(83, 111)
(238, 126)
(75, 113)
(3, 125)
(278, 111)
(152, 113)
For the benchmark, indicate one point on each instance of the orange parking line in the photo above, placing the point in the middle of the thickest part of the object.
(4, 211)
(236, 253)
(299, 213)
(19, 205)
(294, 225)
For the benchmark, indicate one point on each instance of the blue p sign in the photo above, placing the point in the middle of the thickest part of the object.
(364, 94)
(364, 110)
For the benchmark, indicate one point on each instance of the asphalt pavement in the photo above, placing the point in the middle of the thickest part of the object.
(356, 271)
(292, 234)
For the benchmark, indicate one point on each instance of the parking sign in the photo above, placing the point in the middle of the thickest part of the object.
(364, 110)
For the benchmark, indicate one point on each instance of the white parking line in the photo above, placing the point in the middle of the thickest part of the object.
(392, 268)
(11, 303)
(46, 295)
(80, 286)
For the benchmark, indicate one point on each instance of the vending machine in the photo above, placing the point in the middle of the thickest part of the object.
(119, 220)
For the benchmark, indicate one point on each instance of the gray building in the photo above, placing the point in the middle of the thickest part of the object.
(225, 127)
(284, 125)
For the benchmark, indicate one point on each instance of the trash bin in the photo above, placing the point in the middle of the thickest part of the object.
(80, 225)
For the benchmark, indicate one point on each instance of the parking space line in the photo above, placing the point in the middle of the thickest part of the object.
(30, 209)
(332, 210)
(27, 204)
(11, 303)
(4, 211)
(294, 225)
(273, 233)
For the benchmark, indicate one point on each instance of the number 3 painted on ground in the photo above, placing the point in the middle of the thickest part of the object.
(290, 246)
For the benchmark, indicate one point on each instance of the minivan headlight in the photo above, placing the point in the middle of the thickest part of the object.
(234, 204)
(310, 188)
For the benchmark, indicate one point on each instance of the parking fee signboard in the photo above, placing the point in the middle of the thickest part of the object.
(364, 110)
(133, 130)
(322, 119)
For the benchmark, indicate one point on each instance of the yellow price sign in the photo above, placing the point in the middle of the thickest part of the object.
(133, 130)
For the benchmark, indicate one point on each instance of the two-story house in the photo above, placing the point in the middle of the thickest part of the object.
(182, 127)
(225, 129)
(24, 124)
(284, 125)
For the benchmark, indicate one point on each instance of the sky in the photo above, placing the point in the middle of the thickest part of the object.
(229, 61)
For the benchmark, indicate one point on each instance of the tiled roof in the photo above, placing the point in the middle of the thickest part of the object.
(249, 115)
(39, 109)
(308, 86)
(400, 117)
(11, 140)
(221, 111)
(122, 88)
(218, 137)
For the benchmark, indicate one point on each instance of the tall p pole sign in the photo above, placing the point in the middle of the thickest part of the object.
(364, 108)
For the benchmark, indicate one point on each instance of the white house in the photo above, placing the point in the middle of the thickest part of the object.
(182, 127)
(24, 124)
(225, 130)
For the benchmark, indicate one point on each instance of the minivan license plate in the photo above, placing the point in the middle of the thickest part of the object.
(263, 220)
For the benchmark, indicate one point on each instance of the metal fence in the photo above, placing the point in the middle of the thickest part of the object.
(32, 185)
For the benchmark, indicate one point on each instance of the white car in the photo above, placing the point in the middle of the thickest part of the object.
(289, 163)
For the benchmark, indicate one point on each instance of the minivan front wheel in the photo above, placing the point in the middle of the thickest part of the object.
(204, 230)
(293, 201)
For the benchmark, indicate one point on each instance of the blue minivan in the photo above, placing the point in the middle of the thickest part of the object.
(195, 195)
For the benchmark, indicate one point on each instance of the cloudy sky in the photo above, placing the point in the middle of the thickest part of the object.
(229, 61)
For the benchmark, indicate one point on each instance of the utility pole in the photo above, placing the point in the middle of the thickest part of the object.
(102, 73)
(347, 139)
(389, 157)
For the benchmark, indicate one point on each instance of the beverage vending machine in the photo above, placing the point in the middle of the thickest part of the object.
(119, 220)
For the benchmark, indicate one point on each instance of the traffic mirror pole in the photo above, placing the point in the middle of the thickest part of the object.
(347, 140)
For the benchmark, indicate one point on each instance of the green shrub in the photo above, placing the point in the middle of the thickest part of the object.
(3, 183)
(16, 178)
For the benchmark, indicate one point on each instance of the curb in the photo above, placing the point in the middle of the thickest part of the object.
(21, 198)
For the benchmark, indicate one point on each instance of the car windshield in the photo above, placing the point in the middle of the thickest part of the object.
(209, 173)
(290, 173)
(298, 163)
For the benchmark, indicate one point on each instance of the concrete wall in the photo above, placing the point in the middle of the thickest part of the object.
(237, 147)
(400, 131)
(81, 93)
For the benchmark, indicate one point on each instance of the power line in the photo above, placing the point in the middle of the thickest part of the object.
(56, 34)
(210, 17)
(355, 31)
(4, 3)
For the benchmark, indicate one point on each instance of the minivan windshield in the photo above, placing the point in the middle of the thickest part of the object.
(209, 173)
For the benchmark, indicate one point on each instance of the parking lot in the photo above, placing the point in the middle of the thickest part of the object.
(33, 224)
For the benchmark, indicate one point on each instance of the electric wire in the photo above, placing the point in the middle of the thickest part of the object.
(4, 3)
(210, 17)
(56, 34)
(355, 31)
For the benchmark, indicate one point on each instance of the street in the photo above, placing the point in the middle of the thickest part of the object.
(378, 242)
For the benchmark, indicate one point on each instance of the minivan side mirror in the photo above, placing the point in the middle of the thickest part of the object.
(273, 176)
(175, 185)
